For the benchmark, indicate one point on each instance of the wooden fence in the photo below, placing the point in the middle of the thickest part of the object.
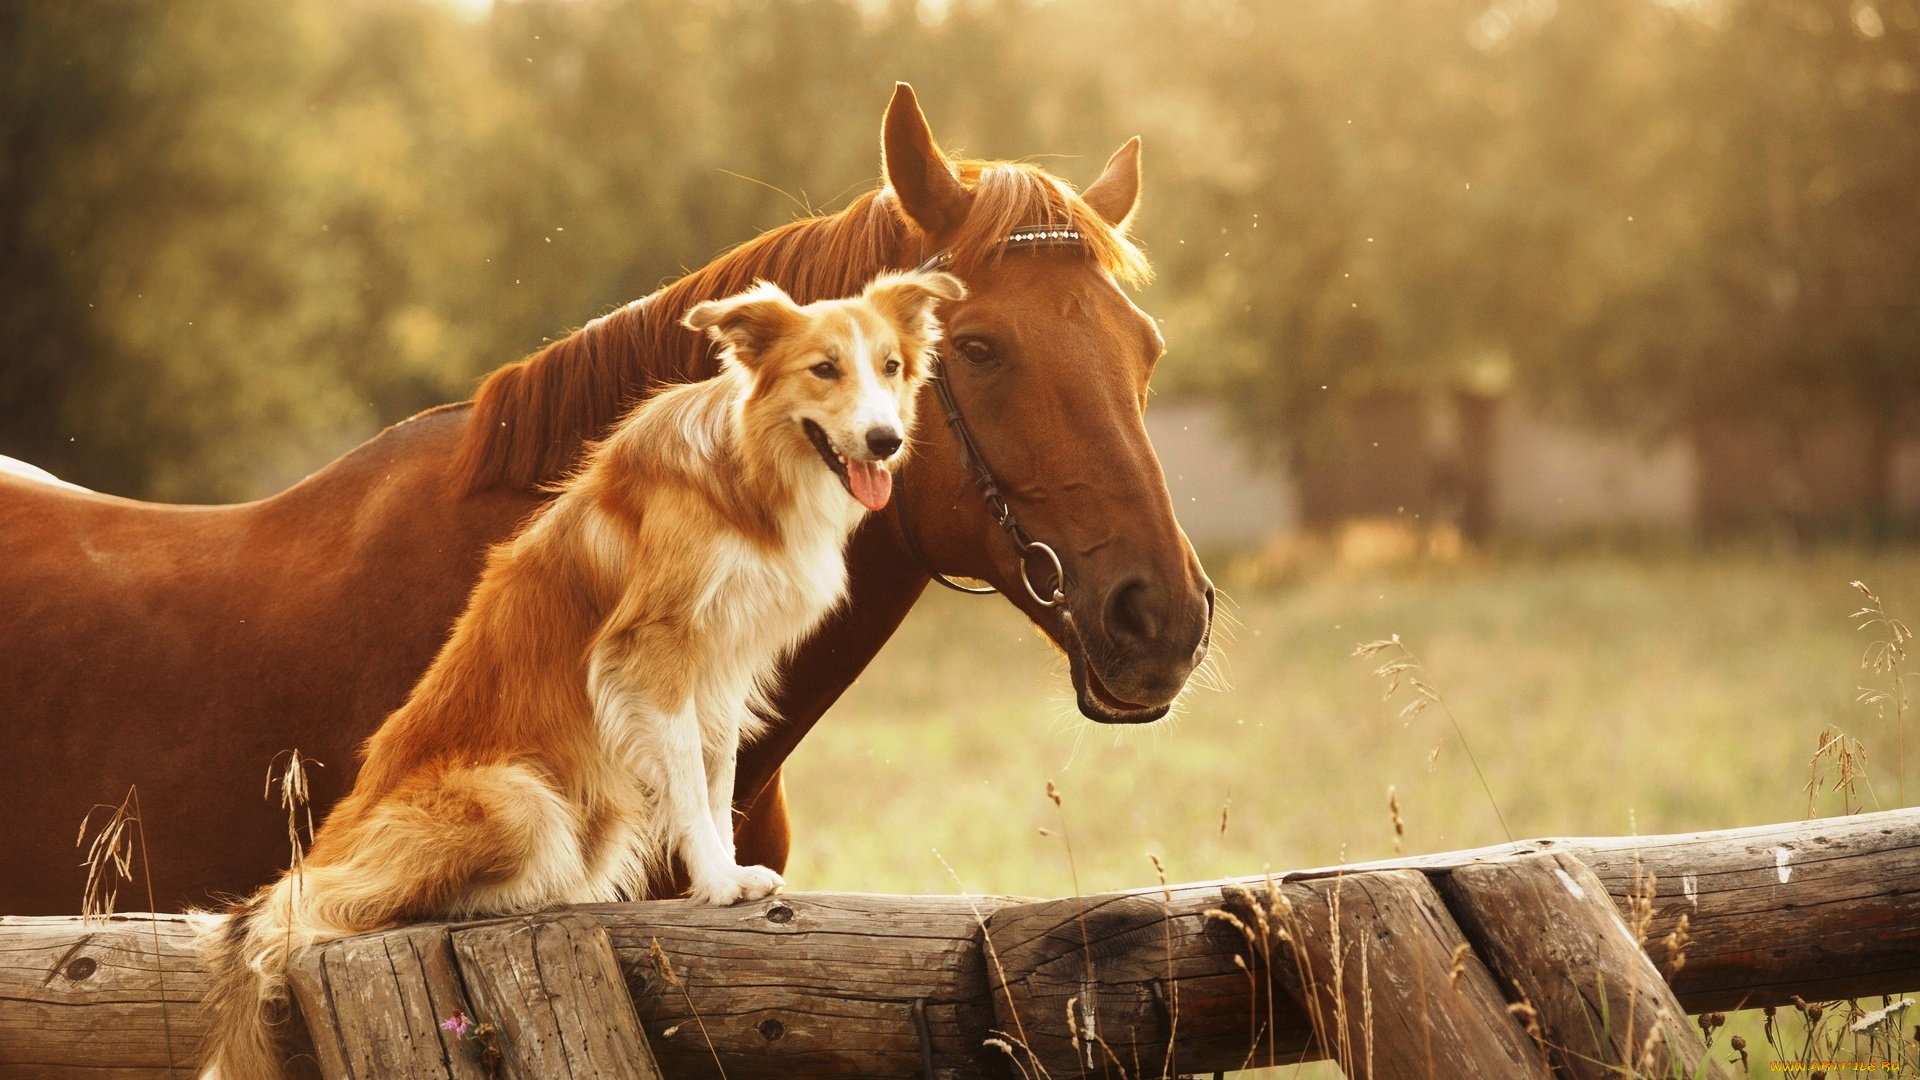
(1400, 968)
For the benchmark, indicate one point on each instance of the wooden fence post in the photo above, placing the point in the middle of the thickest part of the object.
(1546, 926)
(542, 997)
(375, 1004)
(551, 985)
(1384, 972)
(1097, 987)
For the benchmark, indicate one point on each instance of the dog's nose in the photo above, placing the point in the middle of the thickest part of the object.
(883, 441)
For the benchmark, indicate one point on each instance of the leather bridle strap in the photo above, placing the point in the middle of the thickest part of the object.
(971, 460)
(1024, 545)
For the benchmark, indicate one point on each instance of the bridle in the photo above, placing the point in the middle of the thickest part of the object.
(975, 464)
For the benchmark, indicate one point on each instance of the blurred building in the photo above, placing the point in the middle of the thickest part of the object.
(1550, 476)
(1832, 471)
(1223, 497)
(1486, 465)
(1427, 457)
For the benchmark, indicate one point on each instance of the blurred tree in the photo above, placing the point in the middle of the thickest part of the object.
(205, 199)
(1647, 212)
(241, 236)
(235, 237)
(1798, 298)
(1402, 195)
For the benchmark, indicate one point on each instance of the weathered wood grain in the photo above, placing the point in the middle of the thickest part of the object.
(1374, 965)
(374, 1005)
(1547, 928)
(552, 986)
(821, 984)
(1824, 909)
(1133, 970)
(830, 988)
(96, 1000)
(1841, 917)
(1364, 964)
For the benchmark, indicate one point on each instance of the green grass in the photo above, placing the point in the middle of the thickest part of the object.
(1603, 693)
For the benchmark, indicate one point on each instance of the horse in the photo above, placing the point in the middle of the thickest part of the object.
(180, 650)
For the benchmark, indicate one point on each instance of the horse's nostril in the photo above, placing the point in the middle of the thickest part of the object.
(1135, 611)
(883, 441)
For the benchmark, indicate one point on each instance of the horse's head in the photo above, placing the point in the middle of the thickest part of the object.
(1046, 359)
(1047, 362)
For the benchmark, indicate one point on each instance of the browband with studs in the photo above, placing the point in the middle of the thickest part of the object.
(1026, 236)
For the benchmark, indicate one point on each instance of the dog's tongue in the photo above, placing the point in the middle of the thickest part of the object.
(872, 484)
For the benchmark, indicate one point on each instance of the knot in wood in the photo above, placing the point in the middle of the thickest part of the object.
(81, 967)
(779, 913)
(771, 1029)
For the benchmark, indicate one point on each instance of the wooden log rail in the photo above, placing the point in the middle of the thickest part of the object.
(1361, 962)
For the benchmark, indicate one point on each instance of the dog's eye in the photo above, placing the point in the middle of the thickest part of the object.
(975, 351)
(893, 365)
(825, 369)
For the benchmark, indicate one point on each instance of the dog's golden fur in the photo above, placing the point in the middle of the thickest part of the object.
(580, 726)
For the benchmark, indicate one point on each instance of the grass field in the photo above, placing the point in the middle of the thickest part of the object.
(1602, 693)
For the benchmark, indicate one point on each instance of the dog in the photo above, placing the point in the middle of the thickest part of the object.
(580, 727)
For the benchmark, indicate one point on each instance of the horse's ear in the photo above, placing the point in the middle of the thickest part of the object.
(1115, 195)
(916, 170)
(748, 323)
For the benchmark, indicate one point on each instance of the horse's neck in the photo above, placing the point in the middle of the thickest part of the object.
(812, 259)
(693, 355)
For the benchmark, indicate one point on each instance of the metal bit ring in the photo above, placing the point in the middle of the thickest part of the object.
(1059, 575)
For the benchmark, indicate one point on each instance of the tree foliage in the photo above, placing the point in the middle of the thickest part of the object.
(237, 237)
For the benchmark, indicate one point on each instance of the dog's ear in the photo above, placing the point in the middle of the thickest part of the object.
(908, 299)
(747, 323)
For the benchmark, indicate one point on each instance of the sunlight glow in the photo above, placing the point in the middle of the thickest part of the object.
(472, 10)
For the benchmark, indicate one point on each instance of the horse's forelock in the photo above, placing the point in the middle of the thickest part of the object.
(531, 418)
(1009, 195)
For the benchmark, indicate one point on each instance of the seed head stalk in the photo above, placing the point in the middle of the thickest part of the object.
(1404, 665)
(1884, 657)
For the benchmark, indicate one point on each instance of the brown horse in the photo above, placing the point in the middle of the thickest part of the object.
(183, 648)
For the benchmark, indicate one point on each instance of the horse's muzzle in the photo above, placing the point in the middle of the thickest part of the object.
(1148, 643)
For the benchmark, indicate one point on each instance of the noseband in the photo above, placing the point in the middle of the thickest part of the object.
(1024, 545)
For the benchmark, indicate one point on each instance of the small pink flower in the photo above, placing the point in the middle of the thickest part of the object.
(459, 1023)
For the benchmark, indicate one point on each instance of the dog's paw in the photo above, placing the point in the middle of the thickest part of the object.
(736, 883)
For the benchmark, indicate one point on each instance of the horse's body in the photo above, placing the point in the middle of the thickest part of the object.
(182, 648)
(127, 625)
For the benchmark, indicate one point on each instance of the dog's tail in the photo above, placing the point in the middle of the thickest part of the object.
(246, 954)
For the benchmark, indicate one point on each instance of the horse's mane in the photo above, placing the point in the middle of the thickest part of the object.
(531, 418)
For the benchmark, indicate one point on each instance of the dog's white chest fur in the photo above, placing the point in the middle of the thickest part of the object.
(754, 602)
(760, 600)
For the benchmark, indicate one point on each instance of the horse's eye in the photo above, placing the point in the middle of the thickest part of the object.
(825, 369)
(975, 351)
(893, 365)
